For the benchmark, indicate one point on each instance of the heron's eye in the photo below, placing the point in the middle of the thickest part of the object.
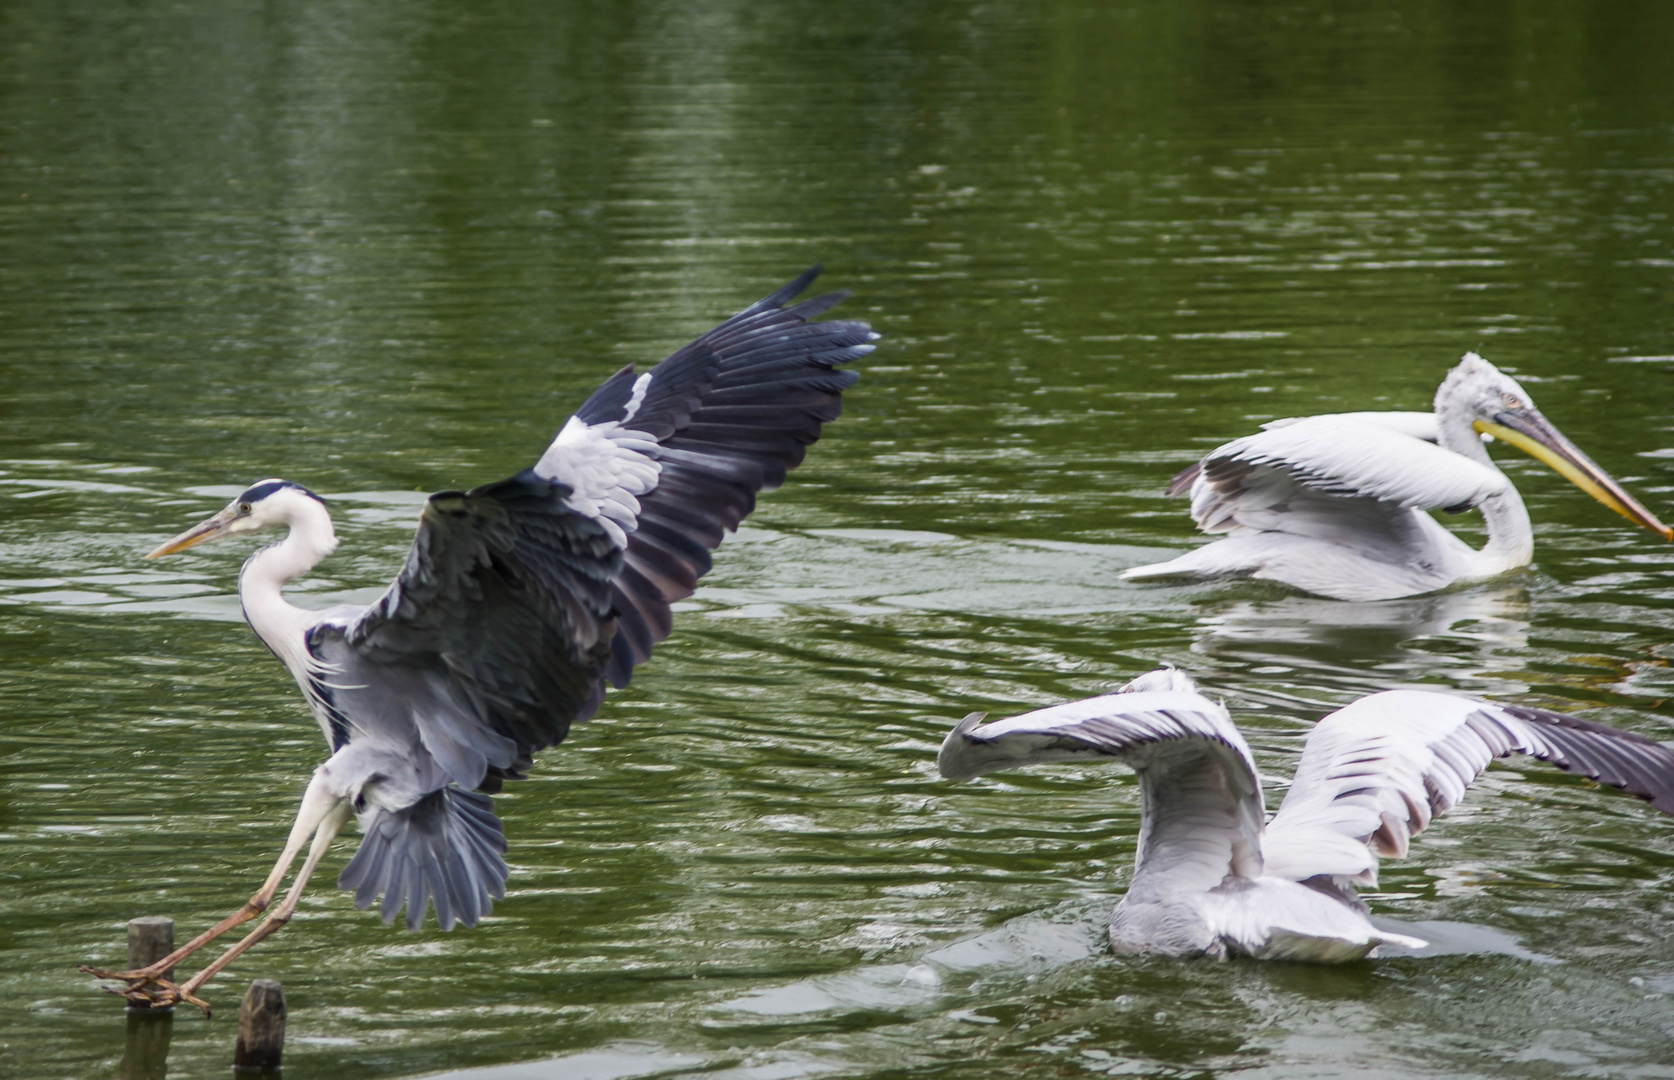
(244, 508)
(1511, 401)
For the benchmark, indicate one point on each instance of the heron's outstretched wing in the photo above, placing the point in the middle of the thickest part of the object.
(518, 596)
(1373, 774)
(490, 642)
(672, 459)
(1201, 797)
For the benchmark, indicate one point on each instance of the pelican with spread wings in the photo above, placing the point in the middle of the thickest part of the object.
(518, 602)
(1213, 877)
(1338, 505)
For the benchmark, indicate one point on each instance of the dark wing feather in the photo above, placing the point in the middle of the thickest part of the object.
(518, 598)
(732, 412)
(507, 592)
(524, 601)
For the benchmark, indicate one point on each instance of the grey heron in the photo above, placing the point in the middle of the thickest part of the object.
(1337, 505)
(1212, 878)
(518, 602)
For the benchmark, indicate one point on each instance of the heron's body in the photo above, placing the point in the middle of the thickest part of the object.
(1212, 878)
(1340, 504)
(518, 602)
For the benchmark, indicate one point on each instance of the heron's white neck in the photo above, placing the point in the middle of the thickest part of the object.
(1510, 535)
(275, 620)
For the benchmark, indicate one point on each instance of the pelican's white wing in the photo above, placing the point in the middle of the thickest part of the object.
(1281, 477)
(1373, 774)
(1201, 796)
(1417, 425)
(1333, 504)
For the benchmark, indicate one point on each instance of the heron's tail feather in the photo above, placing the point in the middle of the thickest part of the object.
(448, 848)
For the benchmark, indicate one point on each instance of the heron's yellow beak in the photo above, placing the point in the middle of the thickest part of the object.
(212, 529)
(1533, 434)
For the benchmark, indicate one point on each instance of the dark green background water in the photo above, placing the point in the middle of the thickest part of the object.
(385, 248)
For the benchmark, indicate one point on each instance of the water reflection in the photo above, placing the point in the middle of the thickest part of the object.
(145, 1052)
(1471, 638)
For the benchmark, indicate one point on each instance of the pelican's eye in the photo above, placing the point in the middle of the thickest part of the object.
(244, 508)
(1511, 401)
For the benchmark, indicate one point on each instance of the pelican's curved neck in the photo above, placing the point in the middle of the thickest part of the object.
(1510, 535)
(275, 620)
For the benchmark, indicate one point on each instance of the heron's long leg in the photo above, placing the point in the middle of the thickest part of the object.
(317, 804)
(323, 836)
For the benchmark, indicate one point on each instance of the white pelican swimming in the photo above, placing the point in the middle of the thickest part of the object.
(1338, 504)
(1212, 879)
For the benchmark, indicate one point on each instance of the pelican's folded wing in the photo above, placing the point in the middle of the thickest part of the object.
(1416, 425)
(1282, 479)
(1202, 799)
(1372, 775)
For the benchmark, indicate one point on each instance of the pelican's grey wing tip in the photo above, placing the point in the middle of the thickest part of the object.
(1184, 479)
(1622, 759)
(954, 760)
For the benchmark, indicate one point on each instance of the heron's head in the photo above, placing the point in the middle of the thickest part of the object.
(1496, 404)
(259, 507)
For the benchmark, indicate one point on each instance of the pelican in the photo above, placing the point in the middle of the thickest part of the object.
(1337, 505)
(518, 601)
(1212, 879)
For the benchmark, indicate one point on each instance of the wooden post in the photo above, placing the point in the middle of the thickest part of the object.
(149, 940)
(145, 1053)
(261, 1027)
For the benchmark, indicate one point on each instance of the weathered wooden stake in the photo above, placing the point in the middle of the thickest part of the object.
(261, 1027)
(149, 940)
(145, 1053)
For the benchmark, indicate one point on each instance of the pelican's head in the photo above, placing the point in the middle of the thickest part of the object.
(1497, 405)
(259, 507)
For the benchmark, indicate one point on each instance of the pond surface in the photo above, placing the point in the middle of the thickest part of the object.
(384, 249)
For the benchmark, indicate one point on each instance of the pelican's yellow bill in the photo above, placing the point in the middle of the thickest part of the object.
(1578, 469)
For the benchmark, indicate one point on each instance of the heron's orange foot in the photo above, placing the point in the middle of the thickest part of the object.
(146, 986)
(160, 994)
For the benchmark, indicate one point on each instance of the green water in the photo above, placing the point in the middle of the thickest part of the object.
(383, 249)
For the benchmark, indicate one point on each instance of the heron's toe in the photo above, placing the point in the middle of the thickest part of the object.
(138, 976)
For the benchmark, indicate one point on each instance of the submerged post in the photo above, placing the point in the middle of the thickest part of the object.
(261, 1027)
(145, 1052)
(150, 938)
